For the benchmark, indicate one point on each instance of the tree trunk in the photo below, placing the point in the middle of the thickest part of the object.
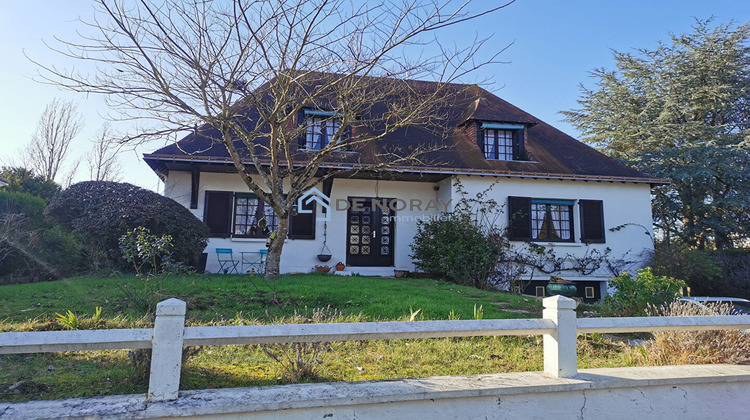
(273, 259)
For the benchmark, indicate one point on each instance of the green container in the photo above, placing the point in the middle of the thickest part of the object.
(567, 290)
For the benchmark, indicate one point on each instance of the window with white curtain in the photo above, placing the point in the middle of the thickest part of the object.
(320, 131)
(498, 144)
(252, 217)
(551, 220)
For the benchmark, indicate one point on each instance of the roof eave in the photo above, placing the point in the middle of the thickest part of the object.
(427, 170)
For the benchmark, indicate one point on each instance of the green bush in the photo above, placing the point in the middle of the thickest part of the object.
(102, 212)
(707, 273)
(23, 180)
(32, 248)
(697, 268)
(735, 273)
(146, 251)
(22, 203)
(459, 249)
(634, 296)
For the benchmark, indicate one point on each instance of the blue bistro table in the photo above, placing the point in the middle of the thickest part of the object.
(254, 261)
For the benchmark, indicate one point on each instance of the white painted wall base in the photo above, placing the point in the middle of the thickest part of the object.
(667, 392)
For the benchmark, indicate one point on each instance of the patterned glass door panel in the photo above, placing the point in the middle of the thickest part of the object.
(370, 233)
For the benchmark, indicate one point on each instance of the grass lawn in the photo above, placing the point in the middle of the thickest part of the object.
(237, 300)
(216, 297)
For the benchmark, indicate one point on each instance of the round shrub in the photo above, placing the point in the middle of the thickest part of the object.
(634, 296)
(103, 211)
(459, 249)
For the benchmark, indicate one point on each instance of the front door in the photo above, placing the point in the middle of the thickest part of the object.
(370, 232)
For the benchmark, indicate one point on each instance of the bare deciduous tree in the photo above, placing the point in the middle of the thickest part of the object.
(59, 124)
(243, 70)
(102, 159)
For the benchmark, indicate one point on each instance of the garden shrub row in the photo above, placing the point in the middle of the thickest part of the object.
(79, 229)
(707, 273)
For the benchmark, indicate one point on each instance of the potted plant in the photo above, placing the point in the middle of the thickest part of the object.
(340, 266)
(270, 239)
(558, 286)
(322, 268)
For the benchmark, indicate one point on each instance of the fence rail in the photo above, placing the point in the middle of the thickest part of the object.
(661, 323)
(308, 333)
(52, 341)
(558, 325)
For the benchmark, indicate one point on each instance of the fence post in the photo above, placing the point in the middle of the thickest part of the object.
(560, 356)
(166, 354)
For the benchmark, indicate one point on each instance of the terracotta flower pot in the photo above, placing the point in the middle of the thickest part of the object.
(340, 267)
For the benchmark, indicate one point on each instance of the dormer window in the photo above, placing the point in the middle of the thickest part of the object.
(501, 141)
(321, 126)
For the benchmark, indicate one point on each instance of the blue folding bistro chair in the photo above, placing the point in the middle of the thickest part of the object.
(227, 263)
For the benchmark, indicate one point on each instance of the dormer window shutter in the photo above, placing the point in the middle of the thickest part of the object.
(302, 139)
(480, 137)
(592, 221)
(347, 137)
(518, 145)
(519, 218)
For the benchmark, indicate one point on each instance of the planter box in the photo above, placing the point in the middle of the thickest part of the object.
(567, 290)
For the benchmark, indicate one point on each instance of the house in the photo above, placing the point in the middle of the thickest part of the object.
(3, 183)
(569, 196)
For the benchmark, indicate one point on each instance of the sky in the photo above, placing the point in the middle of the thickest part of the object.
(551, 48)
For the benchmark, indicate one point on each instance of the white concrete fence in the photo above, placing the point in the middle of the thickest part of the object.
(558, 325)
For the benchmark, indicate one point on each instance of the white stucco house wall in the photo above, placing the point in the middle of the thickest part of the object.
(565, 196)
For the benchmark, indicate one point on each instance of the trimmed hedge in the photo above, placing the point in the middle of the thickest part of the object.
(101, 212)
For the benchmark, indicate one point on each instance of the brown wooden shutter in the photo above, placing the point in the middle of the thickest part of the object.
(302, 225)
(592, 221)
(519, 218)
(217, 213)
(518, 145)
(480, 138)
(302, 139)
(195, 180)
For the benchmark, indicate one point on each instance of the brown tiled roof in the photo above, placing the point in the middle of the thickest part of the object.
(551, 153)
